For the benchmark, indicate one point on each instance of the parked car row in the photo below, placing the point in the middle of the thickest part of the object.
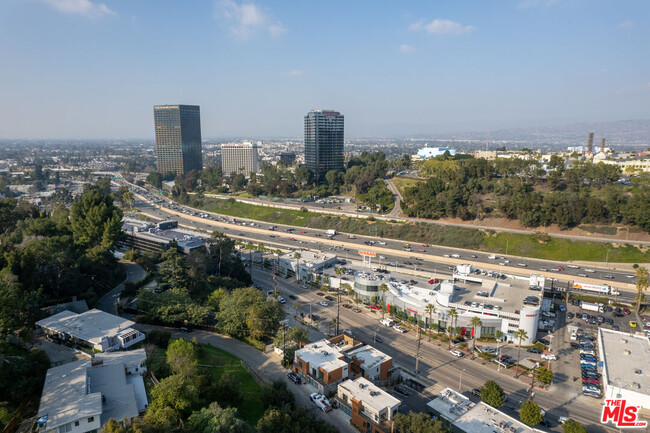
(589, 366)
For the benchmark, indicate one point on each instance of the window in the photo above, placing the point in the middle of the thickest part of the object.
(91, 419)
(76, 423)
(65, 428)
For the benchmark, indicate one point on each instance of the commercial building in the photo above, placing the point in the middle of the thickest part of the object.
(324, 132)
(94, 328)
(307, 266)
(145, 236)
(371, 409)
(287, 158)
(469, 417)
(499, 306)
(625, 366)
(431, 152)
(178, 138)
(82, 396)
(239, 158)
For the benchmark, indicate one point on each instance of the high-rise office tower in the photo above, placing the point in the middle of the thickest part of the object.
(590, 143)
(602, 145)
(323, 142)
(239, 158)
(178, 138)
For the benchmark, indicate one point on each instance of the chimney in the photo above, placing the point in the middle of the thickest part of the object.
(590, 143)
(602, 145)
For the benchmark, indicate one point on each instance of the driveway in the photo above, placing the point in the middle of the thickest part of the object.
(134, 273)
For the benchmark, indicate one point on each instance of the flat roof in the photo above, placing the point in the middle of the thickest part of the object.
(450, 404)
(309, 257)
(89, 326)
(364, 390)
(126, 357)
(625, 360)
(118, 396)
(370, 356)
(65, 397)
(483, 418)
(322, 354)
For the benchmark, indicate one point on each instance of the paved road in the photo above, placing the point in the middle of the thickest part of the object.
(266, 365)
(397, 197)
(443, 369)
(394, 250)
(134, 273)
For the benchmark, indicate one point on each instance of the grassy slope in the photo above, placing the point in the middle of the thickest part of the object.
(250, 410)
(461, 237)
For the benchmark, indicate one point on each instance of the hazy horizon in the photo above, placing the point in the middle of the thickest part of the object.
(85, 69)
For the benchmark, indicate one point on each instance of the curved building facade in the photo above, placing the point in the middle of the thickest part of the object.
(366, 286)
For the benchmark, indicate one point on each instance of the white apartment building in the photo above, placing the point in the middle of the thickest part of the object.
(240, 158)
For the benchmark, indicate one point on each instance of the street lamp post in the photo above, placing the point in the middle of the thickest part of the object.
(460, 381)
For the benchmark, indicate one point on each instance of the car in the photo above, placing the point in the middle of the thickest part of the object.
(544, 341)
(456, 256)
(523, 265)
(386, 322)
(626, 311)
(570, 315)
(458, 340)
(402, 390)
(348, 306)
(608, 276)
(324, 303)
(457, 353)
(632, 324)
(183, 329)
(292, 297)
(320, 293)
(615, 327)
(476, 392)
(575, 345)
(534, 350)
(357, 310)
(398, 328)
(591, 271)
(329, 298)
(281, 300)
(434, 281)
(294, 378)
(374, 307)
(549, 356)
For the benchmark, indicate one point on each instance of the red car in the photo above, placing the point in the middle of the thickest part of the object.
(425, 245)
(434, 281)
(626, 311)
(590, 380)
(421, 251)
(560, 269)
(374, 307)
(303, 232)
(291, 239)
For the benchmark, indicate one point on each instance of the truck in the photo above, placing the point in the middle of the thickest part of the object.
(330, 232)
(589, 306)
(464, 269)
(596, 288)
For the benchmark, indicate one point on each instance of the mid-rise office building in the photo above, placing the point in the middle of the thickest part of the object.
(240, 158)
(323, 142)
(178, 138)
(287, 158)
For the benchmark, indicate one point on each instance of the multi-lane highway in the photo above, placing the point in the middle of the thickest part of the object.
(427, 257)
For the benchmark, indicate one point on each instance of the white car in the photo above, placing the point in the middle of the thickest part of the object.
(549, 356)
(492, 257)
(591, 271)
(324, 303)
(456, 256)
(457, 353)
(382, 243)
(573, 266)
(399, 329)
(386, 322)
(281, 300)
(523, 265)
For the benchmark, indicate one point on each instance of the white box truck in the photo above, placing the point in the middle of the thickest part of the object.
(330, 232)
(595, 288)
(589, 306)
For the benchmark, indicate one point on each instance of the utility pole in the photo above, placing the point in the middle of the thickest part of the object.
(338, 311)
(284, 345)
(417, 351)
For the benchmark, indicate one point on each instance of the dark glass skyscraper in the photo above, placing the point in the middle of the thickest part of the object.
(178, 138)
(323, 142)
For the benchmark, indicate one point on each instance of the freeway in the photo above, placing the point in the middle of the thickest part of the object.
(436, 363)
(436, 257)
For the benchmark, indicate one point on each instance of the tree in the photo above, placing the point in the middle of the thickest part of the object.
(112, 426)
(228, 390)
(430, 309)
(215, 419)
(476, 323)
(571, 426)
(277, 395)
(492, 394)
(520, 335)
(155, 179)
(544, 375)
(383, 288)
(529, 413)
(96, 223)
(175, 392)
(452, 313)
(417, 423)
(297, 256)
(641, 284)
(173, 270)
(182, 357)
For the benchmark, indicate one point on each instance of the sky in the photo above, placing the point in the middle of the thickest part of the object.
(94, 69)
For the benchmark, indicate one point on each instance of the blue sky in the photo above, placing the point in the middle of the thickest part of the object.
(91, 69)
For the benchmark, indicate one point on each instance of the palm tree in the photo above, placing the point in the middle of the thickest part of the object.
(641, 285)
(452, 313)
(383, 288)
(476, 323)
(297, 256)
(520, 335)
(297, 304)
(430, 309)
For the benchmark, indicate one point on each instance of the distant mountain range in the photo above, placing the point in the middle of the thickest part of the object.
(620, 132)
